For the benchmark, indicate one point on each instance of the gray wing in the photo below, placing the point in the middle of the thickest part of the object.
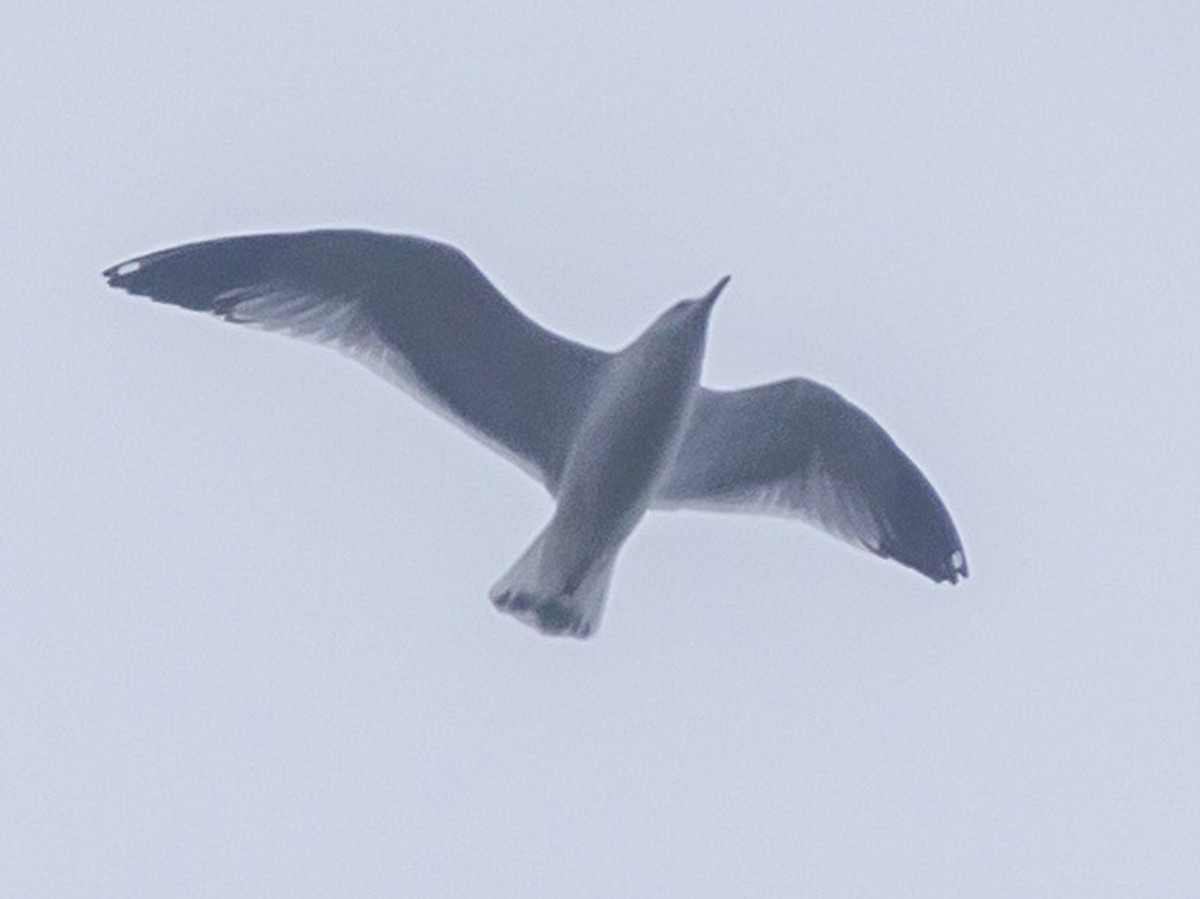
(796, 448)
(418, 312)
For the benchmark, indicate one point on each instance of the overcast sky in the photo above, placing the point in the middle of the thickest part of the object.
(245, 644)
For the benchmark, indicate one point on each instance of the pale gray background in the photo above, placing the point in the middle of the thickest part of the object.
(245, 647)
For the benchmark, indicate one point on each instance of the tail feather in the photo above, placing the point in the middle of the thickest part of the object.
(547, 601)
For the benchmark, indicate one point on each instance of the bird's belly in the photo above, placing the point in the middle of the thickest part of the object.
(619, 456)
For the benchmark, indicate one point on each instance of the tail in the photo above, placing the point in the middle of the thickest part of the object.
(544, 599)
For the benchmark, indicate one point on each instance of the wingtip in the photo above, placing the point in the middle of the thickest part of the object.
(115, 274)
(955, 567)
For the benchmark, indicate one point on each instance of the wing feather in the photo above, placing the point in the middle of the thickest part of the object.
(416, 311)
(796, 448)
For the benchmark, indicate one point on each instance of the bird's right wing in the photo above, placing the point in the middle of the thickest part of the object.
(416, 311)
(796, 448)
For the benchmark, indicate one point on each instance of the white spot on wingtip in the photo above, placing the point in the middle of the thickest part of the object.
(958, 565)
(129, 268)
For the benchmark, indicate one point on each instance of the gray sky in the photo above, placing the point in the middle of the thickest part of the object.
(245, 645)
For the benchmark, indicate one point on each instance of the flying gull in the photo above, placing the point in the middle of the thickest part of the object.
(609, 435)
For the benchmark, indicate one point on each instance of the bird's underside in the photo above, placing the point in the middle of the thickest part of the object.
(425, 317)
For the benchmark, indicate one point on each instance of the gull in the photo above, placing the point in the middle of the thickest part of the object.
(609, 435)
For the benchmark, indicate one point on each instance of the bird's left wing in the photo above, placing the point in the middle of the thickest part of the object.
(796, 448)
(416, 311)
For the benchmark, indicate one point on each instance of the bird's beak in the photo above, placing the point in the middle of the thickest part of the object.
(711, 297)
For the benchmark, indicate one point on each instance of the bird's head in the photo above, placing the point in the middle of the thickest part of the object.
(692, 313)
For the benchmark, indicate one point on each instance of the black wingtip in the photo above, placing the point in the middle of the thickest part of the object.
(195, 275)
(117, 275)
(946, 568)
(920, 531)
(955, 567)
